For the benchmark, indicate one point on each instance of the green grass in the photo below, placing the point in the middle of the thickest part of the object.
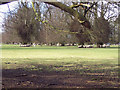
(68, 58)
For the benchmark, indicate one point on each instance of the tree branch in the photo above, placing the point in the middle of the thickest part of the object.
(73, 12)
(89, 8)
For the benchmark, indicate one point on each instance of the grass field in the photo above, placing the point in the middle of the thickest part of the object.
(100, 62)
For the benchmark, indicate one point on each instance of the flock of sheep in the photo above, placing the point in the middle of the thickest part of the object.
(79, 46)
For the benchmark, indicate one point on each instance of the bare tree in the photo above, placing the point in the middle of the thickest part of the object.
(24, 23)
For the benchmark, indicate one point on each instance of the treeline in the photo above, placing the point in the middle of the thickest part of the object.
(45, 23)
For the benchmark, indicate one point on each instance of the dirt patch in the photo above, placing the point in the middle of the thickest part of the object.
(20, 78)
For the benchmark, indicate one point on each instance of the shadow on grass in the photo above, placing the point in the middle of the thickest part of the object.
(43, 76)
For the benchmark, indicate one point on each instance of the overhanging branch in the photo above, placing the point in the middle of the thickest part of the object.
(67, 9)
(73, 12)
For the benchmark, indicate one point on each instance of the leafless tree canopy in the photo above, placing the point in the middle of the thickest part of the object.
(52, 22)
